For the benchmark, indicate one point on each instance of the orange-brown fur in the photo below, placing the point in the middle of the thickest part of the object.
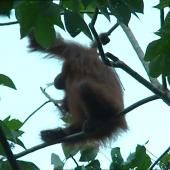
(93, 93)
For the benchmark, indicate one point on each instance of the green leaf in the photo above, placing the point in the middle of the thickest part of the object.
(40, 18)
(27, 165)
(138, 160)
(56, 161)
(71, 5)
(163, 4)
(153, 50)
(27, 13)
(53, 14)
(4, 165)
(120, 10)
(88, 153)
(165, 162)
(75, 24)
(135, 6)
(93, 4)
(155, 67)
(44, 33)
(158, 54)
(6, 81)
(95, 164)
(117, 160)
(6, 6)
(2, 152)
(86, 2)
(164, 31)
(69, 150)
(13, 124)
(105, 12)
(11, 130)
(80, 168)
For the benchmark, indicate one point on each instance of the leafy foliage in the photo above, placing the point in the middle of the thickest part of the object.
(165, 162)
(56, 161)
(11, 128)
(117, 160)
(137, 160)
(157, 52)
(4, 165)
(88, 153)
(40, 17)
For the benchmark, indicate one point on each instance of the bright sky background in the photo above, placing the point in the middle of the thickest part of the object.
(29, 71)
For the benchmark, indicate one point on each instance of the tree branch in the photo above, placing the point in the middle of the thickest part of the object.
(120, 64)
(80, 135)
(97, 39)
(7, 150)
(9, 23)
(139, 103)
(139, 53)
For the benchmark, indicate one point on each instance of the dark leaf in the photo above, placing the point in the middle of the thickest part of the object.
(80, 168)
(120, 10)
(165, 162)
(88, 153)
(105, 12)
(27, 14)
(56, 161)
(6, 6)
(153, 50)
(44, 33)
(138, 160)
(95, 164)
(70, 150)
(27, 165)
(71, 5)
(4, 165)
(163, 4)
(135, 6)
(117, 160)
(11, 130)
(75, 24)
(6, 81)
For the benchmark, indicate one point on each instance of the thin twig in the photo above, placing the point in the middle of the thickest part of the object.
(7, 149)
(9, 23)
(56, 102)
(74, 160)
(35, 111)
(139, 103)
(112, 28)
(97, 39)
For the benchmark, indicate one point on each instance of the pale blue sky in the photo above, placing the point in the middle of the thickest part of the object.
(29, 71)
